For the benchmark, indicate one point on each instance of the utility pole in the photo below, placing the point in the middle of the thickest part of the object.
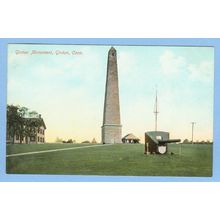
(193, 123)
(156, 110)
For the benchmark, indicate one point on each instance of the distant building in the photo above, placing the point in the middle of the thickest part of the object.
(94, 141)
(38, 133)
(130, 139)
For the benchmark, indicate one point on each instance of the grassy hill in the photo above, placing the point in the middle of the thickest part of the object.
(121, 159)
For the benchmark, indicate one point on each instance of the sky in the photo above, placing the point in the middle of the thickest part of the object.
(66, 85)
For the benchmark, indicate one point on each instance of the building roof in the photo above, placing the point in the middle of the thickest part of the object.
(157, 132)
(130, 137)
(40, 120)
(153, 135)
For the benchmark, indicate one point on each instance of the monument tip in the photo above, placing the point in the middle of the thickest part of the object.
(112, 48)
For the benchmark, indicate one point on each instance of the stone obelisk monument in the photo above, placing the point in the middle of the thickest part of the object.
(111, 128)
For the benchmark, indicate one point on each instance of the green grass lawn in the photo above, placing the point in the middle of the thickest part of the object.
(121, 159)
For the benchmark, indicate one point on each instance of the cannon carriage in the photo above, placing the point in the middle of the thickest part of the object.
(156, 142)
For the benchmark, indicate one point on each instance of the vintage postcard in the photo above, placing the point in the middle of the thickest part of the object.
(110, 109)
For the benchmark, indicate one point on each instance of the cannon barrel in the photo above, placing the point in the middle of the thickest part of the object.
(168, 141)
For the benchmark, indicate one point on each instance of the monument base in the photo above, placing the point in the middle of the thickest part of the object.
(111, 134)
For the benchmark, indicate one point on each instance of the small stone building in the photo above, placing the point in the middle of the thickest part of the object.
(130, 139)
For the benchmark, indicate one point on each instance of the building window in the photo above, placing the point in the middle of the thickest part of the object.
(38, 139)
(43, 140)
(38, 130)
(42, 131)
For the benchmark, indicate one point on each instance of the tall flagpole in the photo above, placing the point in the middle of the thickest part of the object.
(156, 110)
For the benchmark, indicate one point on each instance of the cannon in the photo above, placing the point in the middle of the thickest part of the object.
(156, 142)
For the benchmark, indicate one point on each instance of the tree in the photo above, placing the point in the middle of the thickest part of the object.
(31, 127)
(28, 124)
(85, 142)
(33, 114)
(94, 141)
(186, 141)
(70, 141)
(18, 122)
(59, 140)
(14, 121)
(23, 112)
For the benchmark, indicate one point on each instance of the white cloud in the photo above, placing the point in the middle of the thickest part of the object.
(203, 71)
(170, 63)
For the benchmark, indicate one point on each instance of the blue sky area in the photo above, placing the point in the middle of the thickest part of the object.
(68, 89)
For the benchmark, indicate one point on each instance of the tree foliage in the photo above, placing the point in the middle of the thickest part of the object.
(20, 123)
(13, 121)
(59, 140)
